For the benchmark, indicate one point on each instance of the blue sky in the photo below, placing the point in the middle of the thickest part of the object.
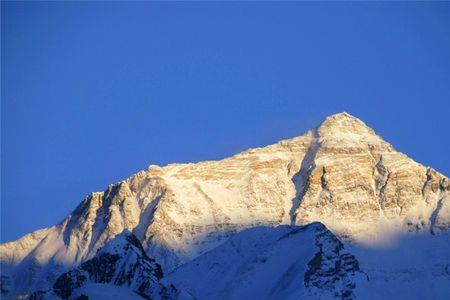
(93, 92)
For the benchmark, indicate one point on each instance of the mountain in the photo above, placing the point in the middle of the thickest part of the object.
(285, 262)
(341, 174)
(121, 262)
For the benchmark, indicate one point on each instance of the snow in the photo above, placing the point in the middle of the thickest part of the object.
(245, 268)
(258, 263)
(340, 173)
(100, 291)
(413, 267)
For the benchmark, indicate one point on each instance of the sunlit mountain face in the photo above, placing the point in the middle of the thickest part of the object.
(334, 213)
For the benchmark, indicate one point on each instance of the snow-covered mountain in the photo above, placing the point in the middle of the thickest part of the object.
(340, 174)
(121, 262)
(285, 262)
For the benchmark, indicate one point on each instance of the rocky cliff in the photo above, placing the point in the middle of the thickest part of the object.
(340, 173)
(121, 262)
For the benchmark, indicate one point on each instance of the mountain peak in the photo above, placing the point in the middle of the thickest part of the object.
(121, 262)
(122, 240)
(342, 115)
(340, 174)
(341, 124)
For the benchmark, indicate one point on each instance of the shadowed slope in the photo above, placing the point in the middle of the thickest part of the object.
(341, 174)
(285, 262)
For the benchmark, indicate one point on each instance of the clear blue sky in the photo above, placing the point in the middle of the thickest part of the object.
(93, 92)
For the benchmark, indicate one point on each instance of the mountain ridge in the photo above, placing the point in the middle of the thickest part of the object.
(120, 262)
(283, 262)
(340, 173)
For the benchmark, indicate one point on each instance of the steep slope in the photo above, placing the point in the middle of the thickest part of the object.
(122, 262)
(178, 212)
(285, 262)
(362, 189)
(340, 173)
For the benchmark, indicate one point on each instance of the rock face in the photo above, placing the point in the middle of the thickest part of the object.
(332, 269)
(285, 262)
(362, 189)
(121, 262)
(341, 174)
